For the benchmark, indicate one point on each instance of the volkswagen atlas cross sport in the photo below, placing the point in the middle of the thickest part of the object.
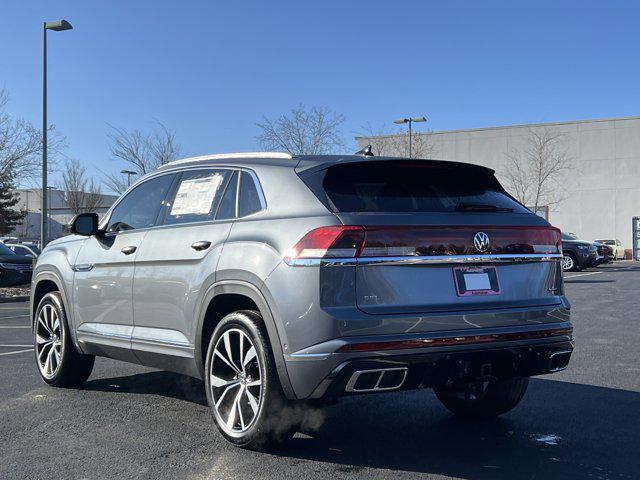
(280, 279)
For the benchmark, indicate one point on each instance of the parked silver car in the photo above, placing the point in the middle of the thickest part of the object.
(280, 279)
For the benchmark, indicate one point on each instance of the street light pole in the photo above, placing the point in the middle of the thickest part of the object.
(44, 207)
(57, 26)
(410, 120)
(128, 173)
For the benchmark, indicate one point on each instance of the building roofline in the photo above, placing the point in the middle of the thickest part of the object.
(498, 127)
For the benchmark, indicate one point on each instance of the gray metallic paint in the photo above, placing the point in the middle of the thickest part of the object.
(155, 300)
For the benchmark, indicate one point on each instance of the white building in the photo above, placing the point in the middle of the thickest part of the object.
(603, 185)
(59, 211)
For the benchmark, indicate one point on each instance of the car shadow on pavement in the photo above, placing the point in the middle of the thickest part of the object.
(166, 384)
(560, 430)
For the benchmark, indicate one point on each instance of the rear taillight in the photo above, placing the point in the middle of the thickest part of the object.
(329, 242)
(358, 241)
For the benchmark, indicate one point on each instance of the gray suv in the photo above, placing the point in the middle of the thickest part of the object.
(280, 280)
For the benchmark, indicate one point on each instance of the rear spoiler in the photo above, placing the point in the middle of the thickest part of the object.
(309, 163)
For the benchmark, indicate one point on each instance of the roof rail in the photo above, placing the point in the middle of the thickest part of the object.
(225, 156)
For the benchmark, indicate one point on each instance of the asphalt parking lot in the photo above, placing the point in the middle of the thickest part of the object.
(133, 422)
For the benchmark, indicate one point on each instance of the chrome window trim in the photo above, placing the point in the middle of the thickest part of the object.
(261, 197)
(425, 260)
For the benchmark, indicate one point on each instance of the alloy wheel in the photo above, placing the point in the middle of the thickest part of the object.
(567, 262)
(236, 381)
(49, 341)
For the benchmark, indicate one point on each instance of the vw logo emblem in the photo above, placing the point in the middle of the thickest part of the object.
(481, 241)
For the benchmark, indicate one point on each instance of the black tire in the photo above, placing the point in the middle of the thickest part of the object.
(573, 263)
(276, 418)
(73, 368)
(489, 400)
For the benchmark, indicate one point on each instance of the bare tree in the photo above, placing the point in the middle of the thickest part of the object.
(21, 145)
(303, 131)
(81, 194)
(391, 143)
(140, 152)
(115, 182)
(534, 173)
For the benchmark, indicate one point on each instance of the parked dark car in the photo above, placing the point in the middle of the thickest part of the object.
(577, 254)
(608, 252)
(14, 269)
(26, 249)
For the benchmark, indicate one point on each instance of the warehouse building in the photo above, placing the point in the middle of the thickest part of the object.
(60, 213)
(600, 189)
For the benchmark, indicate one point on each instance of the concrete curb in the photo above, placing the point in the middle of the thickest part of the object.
(14, 299)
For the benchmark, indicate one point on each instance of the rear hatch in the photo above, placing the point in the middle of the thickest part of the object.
(433, 236)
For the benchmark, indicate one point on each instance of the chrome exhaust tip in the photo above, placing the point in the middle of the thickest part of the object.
(377, 380)
(558, 361)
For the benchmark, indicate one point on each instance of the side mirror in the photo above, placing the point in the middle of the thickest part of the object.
(85, 224)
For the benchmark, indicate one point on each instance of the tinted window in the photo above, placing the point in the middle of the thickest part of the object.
(404, 186)
(227, 207)
(196, 196)
(249, 201)
(22, 251)
(4, 250)
(569, 236)
(139, 208)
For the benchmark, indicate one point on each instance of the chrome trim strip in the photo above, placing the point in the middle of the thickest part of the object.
(320, 262)
(455, 259)
(425, 260)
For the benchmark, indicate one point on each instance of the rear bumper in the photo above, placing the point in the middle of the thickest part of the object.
(428, 360)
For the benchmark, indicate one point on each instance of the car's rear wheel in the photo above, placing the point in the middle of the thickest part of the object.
(569, 263)
(242, 384)
(59, 364)
(483, 399)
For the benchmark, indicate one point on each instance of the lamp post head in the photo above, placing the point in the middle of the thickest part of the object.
(400, 121)
(58, 26)
(128, 172)
(418, 119)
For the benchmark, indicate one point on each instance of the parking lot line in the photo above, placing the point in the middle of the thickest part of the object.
(582, 274)
(14, 317)
(17, 351)
(18, 326)
(19, 346)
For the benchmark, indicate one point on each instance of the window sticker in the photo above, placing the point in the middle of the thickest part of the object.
(195, 196)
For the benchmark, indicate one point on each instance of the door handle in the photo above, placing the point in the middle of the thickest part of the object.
(129, 250)
(201, 245)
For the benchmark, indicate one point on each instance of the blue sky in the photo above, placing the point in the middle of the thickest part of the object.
(209, 70)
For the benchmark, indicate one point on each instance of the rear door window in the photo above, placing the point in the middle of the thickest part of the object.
(227, 208)
(250, 196)
(405, 186)
(197, 195)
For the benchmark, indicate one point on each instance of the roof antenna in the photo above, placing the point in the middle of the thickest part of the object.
(365, 152)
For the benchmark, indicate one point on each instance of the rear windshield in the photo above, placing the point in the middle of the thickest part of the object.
(405, 186)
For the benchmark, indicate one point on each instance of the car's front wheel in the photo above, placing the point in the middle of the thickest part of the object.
(569, 263)
(242, 383)
(59, 363)
(483, 399)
